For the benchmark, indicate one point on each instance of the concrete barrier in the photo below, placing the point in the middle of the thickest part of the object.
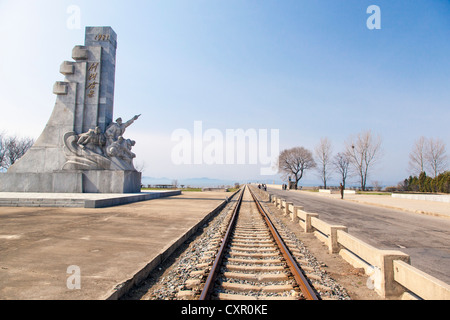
(426, 197)
(275, 186)
(420, 283)
(305, 221)
(278, 203)
(294, 213)
(391, 274)
(288, 208)
(376, 263)
(334, 191)
(327, 233)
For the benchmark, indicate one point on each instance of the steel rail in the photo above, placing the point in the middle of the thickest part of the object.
(301, 280)
(209, 284)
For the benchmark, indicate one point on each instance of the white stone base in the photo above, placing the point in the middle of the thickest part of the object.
(93, 181)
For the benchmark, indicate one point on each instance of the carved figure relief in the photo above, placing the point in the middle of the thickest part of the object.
(94, 150)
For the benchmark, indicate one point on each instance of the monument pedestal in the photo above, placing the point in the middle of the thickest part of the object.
(92, 181)
(102, 181)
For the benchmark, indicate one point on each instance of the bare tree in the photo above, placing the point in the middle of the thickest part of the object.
(377, 185)
(417, 156)
(2, 151)
(140, 166)
(12, 149)
(295, 161)
(341, 163)
(323, 154)
(436, 157)
(363, 152)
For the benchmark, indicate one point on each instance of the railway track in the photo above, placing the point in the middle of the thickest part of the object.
(252, 260)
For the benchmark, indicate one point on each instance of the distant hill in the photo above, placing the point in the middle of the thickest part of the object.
(191, 182)
(213, 182)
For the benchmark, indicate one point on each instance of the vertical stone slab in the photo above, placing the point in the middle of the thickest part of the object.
(104, 75)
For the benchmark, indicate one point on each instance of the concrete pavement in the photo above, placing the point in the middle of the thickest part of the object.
(432, 208)
(44, 250)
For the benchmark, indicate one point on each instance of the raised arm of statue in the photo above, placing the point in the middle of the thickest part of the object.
(130, 122)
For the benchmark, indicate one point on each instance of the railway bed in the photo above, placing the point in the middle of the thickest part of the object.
(252, 261)
(254, 267)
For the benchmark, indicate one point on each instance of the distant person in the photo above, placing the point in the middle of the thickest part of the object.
(341, 187)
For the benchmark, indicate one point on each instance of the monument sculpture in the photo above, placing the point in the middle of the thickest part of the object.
(81, 149)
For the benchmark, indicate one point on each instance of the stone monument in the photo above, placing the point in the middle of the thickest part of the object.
(81, 149)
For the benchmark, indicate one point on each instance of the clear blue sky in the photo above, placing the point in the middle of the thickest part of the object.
(311, 69)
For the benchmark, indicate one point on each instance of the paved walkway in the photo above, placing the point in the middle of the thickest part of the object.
(433, 208)
(108, 245)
